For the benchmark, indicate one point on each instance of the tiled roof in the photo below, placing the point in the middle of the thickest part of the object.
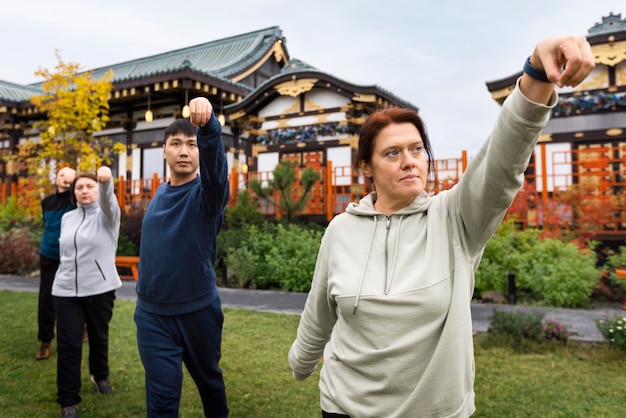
(610, 24)
(223, 58)
(295, 66)
(16, 93)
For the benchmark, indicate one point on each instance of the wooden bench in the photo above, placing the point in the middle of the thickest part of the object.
(621, 273)
(131, 262)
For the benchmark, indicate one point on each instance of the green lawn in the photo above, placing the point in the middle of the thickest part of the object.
(573, 381)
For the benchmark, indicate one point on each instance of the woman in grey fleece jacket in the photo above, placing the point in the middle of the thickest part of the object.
(84, 285)
(389, 306)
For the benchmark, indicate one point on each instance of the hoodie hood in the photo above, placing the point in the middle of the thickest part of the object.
(365, 207)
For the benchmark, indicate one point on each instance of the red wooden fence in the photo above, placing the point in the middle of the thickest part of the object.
(581, 190)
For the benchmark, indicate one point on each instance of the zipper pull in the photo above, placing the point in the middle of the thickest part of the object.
(388, 221)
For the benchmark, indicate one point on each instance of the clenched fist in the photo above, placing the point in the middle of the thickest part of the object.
(200, 110)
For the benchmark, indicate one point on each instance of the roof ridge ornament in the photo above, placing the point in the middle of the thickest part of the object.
(610, 24)
(295, 87)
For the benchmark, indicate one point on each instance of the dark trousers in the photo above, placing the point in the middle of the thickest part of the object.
(45, 312)
(166, 342)
(72, 315)
(333, 415)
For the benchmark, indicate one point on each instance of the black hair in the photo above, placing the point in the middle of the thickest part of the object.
(180, 126)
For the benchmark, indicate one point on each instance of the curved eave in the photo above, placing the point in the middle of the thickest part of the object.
(162, 76)
(15, 99)
(500, 89)
(16, 93)
(186, 74)
(606, 38)
(267, 91)
(278, 50)
(608, 49)
(225, 61)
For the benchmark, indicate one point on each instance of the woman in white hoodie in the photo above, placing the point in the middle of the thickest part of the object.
(389, 306)
(84, 285)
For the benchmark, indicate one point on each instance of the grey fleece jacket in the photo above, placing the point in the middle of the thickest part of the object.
(88, 243)
(389, 306)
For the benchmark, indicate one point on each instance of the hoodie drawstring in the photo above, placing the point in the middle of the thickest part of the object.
(367, 257)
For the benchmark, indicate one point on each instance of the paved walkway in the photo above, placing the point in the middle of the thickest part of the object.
(580, 321)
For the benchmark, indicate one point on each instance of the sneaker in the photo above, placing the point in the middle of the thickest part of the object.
(44, 351)
(102, 386)
(69, 412)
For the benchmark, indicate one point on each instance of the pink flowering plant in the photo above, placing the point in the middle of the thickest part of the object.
(614, 330)
(554, 331)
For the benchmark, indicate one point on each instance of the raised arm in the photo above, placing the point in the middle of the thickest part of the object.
(106, 198)
(495, 174)
(213, 163)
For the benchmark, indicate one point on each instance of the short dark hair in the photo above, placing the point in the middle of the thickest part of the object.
(379, 120)
(73, 185)
(180, 126)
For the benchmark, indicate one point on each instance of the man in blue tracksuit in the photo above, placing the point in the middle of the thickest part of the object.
(179, 316)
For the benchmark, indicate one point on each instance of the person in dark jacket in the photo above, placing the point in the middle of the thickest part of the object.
(53, 207)
(84, 286)
(178, 314)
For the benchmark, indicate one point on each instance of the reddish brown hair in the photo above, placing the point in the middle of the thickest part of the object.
(379, 120)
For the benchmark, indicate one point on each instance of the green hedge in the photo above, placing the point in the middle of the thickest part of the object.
(547, 271)
(270, 256)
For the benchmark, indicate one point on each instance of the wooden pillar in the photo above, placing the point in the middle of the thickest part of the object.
(234, 185)
(544, 172)
(463, 161)
(121, 193)
(330, 190)
(155, 184)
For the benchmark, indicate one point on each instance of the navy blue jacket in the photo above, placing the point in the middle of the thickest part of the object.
(179, 234)
(52, 209)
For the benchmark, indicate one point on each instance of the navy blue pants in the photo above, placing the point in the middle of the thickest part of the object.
(72, 315)
(166, 342)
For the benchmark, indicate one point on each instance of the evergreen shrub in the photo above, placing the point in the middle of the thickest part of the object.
(547, 271)
(130, 233)
(271, 256)
(617, 260)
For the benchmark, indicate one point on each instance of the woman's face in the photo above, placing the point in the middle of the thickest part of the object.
(86, 191)
(398, 167)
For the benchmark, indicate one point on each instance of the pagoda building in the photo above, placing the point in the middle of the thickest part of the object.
(584, 142)
(271, 106)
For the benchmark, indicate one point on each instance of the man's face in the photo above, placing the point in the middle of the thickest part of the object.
(182, 156)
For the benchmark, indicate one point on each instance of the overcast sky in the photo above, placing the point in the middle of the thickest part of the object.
(437, 55)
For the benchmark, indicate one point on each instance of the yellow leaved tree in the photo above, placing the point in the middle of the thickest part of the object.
(76, 107)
